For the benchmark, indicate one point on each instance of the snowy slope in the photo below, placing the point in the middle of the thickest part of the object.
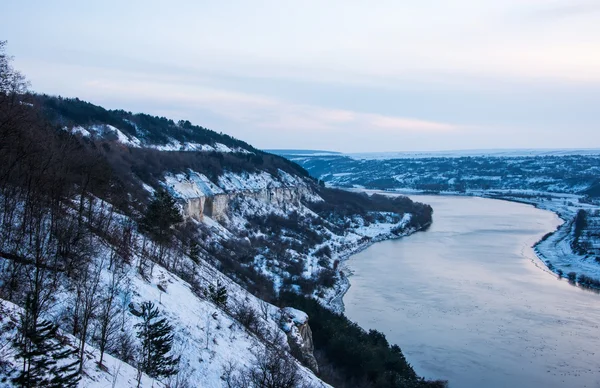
(105, 130)
(246, 202)
(207, 337)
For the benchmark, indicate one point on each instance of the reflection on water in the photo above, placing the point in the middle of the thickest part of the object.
(468, 301)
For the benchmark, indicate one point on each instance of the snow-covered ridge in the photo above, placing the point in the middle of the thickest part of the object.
(175, 145)
(106, 130)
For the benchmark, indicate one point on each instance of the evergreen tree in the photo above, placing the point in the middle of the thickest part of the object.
(156, 335)
(46, 362)
(218, 294)
(195, 252)
(161, 215)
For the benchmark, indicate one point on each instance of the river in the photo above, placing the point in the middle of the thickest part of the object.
(468, 300)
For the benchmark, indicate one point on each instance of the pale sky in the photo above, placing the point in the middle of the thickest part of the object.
(343, 75)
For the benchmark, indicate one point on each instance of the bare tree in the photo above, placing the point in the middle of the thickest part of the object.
(273, 367)
(87, 295)
(6, 348)
(11, 81)
(109, 312)
(264, 308)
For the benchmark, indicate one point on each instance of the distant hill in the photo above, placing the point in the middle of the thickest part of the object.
(500, 153)
(541, 170)
(302, 152)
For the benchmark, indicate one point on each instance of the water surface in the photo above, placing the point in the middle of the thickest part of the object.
(469, 301)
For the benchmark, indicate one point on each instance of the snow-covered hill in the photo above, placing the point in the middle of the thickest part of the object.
(106, 214)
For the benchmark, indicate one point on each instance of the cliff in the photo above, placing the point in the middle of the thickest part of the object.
(295, 324)
(201, 197)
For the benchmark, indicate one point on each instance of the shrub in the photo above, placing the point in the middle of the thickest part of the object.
(326, 278)
(247, 317)
(295, 268)
(272, 367)
(589, 282)
(218, 294)
(324, 251)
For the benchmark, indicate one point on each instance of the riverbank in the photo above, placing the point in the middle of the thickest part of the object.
(555, 250)
(336, 302)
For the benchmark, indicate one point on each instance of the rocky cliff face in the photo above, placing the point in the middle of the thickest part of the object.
(295, 323)
(200, 197)
(307, 347)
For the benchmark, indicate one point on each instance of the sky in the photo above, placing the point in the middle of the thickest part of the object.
(340, 75)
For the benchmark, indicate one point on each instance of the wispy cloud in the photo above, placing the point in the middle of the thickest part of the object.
(261, 111)
(569, 8)
(408, 124)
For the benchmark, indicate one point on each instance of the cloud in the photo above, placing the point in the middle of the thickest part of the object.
(568, 9)
(261, 111)
(407, 124)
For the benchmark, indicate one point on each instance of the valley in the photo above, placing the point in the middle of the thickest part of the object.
(299, 194)
(139, 251)
(563, 182)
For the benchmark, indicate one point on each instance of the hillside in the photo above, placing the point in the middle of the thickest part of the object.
(136, 251)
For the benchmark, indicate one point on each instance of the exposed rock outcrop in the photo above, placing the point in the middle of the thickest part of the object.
(201, 197)
(295, 324)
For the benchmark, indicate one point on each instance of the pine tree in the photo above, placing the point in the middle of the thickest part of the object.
(156, 335)
(195, 252)
(218, 294)
(46, 362)
(161, 215)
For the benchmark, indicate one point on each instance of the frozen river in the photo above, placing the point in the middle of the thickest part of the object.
(469, 301)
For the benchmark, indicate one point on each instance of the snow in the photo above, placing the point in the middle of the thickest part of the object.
(470, 153)
(172, 145)
(148, 188)
(100, 130)
(297, 316)
(377, 229)
(191, 185)
(207, 337)
(232, 182)
(175, 145)
(80, 130)
(117, 373)
(127, 140)
(557, 248)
